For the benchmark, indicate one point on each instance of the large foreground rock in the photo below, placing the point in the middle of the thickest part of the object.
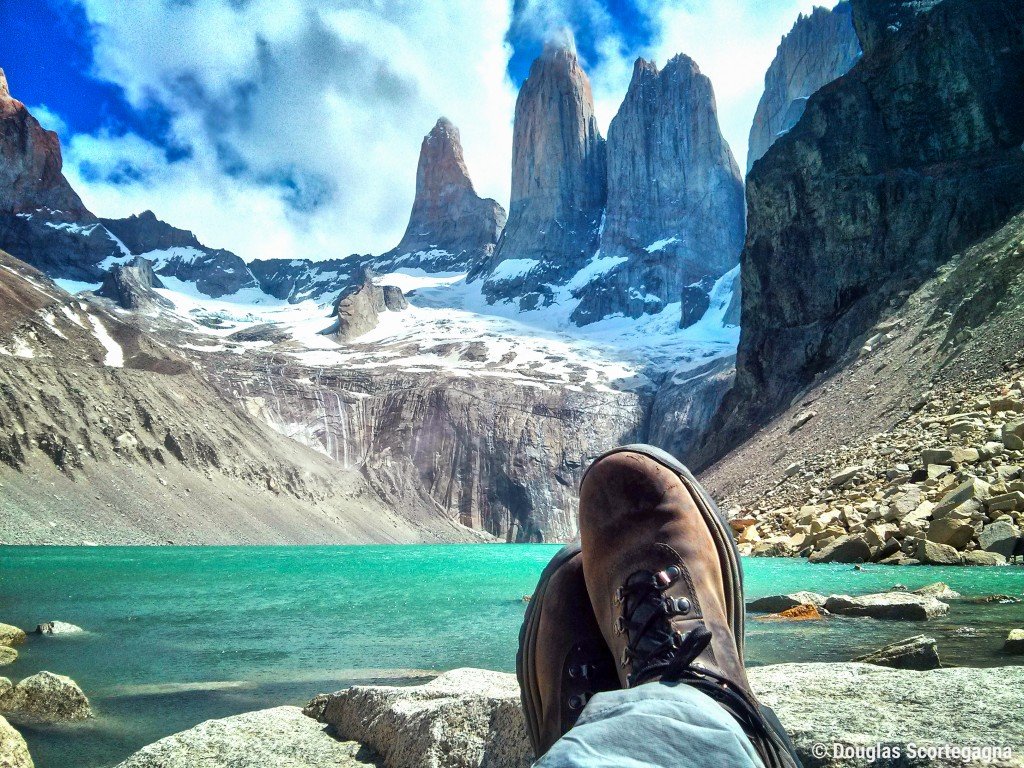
(49, 698)
(471, 717)
(13, 750)
(466, 717)
(889, 605)
(282, 736)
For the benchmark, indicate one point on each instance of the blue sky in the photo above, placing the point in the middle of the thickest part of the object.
(291, 127)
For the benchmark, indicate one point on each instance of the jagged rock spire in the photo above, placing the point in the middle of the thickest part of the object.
(675, 213)
(558, 178)
(5, 90)
(447, 214)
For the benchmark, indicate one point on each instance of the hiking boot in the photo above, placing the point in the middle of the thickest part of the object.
(562, 659)
(664, 577)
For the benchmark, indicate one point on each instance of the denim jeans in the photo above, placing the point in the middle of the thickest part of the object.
(657, 725)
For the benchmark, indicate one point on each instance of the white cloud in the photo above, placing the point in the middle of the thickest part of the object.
(302, 120)
(49, 119)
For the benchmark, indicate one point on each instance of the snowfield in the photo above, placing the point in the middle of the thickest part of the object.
(450, 326)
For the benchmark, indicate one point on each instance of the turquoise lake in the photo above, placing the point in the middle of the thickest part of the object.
(177, 635)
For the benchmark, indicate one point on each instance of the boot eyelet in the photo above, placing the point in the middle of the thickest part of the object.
(618, 596)
(578, 671)
(620, 626)
(578, 701)
(682, 606)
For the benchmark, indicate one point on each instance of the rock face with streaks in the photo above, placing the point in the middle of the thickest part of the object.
(822, 47)
(558, 183)
(450, 227)
(675, 213)
(913, 155)
(495, 454)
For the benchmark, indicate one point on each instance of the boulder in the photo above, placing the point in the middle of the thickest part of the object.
(918, 652)
(939, 590)
(57, 628)
(980, 557)
(846, 549)
(1006, 502)
(797, 613)
(971, 489)
(6, 689)
(282, 736)
(50, 698)
(887, 605)
(948, 456)
(1000, 537)
(950, 531)
(844, 476)
(11, 636)
(465, 718)
(780, 603)
(13, 749)
(1014, 642)
(933, 553)
(7, 655)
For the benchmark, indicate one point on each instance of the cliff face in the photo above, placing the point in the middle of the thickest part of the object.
(820, 48)
(450, 227)
(30, 171)
(675, 210)
(892, 169)
(488, 452)
(558, 183)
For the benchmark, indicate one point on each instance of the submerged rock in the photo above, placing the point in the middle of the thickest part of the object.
(49, 698)
(939, 590)
(58, 628)
(1014, 642)
(13, 749)
(918, 652)
(887, 605)
(796, 613)
(282, 736)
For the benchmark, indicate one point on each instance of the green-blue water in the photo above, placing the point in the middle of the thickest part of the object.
(180, 635)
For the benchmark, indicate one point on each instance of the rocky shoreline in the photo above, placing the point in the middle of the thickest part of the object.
(945, 487)
(472, 718)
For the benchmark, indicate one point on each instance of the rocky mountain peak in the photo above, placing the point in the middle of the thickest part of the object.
(559, 181)
(675, 214)
(30, 163)
(450, 226)
(821, 47)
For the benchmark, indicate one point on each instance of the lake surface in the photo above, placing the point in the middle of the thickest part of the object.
(177, 635)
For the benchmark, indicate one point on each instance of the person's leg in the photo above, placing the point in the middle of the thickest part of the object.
(658, 725)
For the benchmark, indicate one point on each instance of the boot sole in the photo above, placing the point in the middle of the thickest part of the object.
(529, 690)
(720, 529)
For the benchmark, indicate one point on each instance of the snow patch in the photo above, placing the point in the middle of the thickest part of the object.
(598, 266)
(115, 354)
(511, 269)
(660, 245)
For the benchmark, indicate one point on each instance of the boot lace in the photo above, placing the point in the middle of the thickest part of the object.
(655, 650)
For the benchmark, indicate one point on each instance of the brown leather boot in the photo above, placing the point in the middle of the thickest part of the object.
(562, 659)
(664, 577)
